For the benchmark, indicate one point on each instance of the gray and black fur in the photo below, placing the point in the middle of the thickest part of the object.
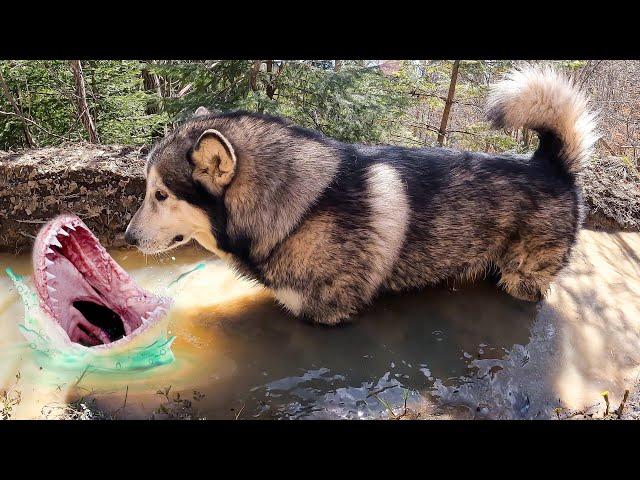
(328, 225)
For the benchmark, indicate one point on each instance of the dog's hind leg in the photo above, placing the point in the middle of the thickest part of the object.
(523, 286)
(527, 275)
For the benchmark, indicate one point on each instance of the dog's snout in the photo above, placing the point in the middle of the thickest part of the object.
(130, 238)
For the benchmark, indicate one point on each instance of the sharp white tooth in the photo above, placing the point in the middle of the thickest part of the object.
(51, 289)
(50, 276)
(47, 262)
(55, 242)
(71, 227)
(49, 251)
(62, 231)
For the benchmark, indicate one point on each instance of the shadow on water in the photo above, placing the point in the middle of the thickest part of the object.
(585, 340)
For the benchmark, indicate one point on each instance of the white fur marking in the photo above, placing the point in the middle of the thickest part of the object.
(290, 299)
(389, 218)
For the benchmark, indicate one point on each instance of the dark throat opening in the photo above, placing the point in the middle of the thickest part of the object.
(102, 317)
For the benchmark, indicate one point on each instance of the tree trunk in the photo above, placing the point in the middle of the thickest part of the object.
(16, 108)
(449, 101)
(526, 137)
(337, 65)
(253, 75)
(271, 88)
(81, 101)
(151, 83)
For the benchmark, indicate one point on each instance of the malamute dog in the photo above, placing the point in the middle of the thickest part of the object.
(327, 225)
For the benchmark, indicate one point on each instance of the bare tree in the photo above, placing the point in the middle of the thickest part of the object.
(272, 79)
(18, 111)
(271, 88)
(151, 83)
(337, 65)
(81, 101)
(253, 75)
(448, 102)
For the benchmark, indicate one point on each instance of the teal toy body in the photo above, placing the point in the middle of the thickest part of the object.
(50, 342)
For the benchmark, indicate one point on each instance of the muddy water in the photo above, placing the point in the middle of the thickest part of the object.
(238, 355)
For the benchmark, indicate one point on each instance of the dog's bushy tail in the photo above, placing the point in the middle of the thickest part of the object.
(544, 100)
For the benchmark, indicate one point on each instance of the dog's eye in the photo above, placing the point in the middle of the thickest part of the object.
(160, 195)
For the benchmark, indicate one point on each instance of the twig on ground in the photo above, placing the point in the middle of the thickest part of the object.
(31, 221)
(81, 376)
(126, 394)
(386, 405)
(618, 411)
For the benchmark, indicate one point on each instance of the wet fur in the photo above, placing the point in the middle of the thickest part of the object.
(327, 225)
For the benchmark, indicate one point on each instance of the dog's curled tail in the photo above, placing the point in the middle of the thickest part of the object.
(544, 100)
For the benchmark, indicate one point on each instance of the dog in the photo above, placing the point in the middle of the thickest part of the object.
(327, 226)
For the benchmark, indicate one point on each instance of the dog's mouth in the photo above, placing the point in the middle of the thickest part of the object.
(85, 291)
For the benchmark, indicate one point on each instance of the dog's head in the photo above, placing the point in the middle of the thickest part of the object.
(186, 174)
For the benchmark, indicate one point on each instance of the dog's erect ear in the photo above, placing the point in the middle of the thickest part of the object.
(214, 161)
(201, 111)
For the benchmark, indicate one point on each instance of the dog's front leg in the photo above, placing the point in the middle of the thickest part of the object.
(326, 301)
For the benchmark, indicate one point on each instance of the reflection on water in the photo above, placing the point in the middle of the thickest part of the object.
(240, 355)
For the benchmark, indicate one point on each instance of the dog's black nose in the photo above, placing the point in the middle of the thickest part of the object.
(178, 238)
(130, 239)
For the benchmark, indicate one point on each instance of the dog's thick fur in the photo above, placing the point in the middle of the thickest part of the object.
(327, 225)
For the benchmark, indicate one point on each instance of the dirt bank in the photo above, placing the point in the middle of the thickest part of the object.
(611, 188)
(104, 186)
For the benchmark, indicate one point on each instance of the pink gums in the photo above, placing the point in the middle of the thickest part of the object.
(71, 266)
